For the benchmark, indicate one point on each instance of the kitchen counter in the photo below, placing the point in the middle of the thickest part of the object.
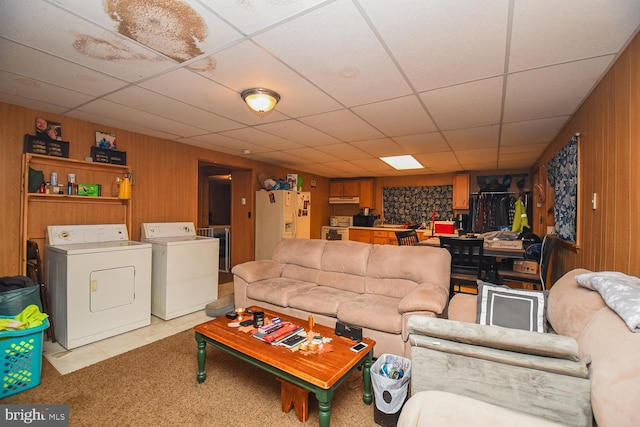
(398, 227)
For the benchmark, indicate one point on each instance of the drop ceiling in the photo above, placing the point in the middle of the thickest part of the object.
(460, 84)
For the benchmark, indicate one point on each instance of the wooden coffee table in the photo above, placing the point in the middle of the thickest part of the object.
(319, 374)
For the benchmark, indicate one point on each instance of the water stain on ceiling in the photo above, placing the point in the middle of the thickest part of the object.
(170, 27)
(104, 49)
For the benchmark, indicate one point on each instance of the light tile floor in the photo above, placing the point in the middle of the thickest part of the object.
(66, 361)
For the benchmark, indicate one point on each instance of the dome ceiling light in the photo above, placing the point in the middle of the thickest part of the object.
(260, 99)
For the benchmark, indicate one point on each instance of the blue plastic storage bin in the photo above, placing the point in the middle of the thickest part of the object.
(21, 358)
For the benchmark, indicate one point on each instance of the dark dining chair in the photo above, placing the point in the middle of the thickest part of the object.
(34, 272)
(407, 238)
(467, 262)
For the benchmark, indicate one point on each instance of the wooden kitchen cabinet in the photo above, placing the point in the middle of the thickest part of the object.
(367, 193)
(344, 188)
(461, 191)
(359, 235)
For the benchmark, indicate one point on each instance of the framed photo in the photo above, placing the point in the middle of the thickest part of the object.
(48, 129)
(106, 140)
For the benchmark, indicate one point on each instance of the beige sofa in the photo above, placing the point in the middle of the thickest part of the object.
(375, 287)
(491, 379)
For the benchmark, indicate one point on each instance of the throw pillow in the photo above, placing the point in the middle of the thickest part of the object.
(511, 308)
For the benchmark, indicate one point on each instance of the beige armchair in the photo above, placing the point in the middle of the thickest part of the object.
(538, 374)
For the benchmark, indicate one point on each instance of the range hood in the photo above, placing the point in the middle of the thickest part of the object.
(349, 200)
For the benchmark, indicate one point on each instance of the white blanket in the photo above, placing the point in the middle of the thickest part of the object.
(619, 291)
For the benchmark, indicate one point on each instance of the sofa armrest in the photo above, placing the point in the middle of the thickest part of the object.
(516, 340)
(253, 271)
(424, 298)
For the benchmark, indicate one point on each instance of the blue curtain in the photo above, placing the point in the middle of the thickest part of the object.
(416, 204)
(562, 172)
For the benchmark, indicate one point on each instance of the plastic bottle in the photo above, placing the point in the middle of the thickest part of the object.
(125, 188)
(115, 187)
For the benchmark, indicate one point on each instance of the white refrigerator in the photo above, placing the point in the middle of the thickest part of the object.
(280, 214)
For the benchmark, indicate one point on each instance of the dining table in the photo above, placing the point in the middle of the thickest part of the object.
(490, 250)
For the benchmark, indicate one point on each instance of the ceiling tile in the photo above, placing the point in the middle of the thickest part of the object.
(83, 43)
(20, 59)
(253, 16)
(124, 114)
(298, 132)
(342, 124)
(16, 85)
(532, 131)
(551, 91)
(466, 139)
(271, 142)
(380, 147)
(397, 117)
(298, 96)
(210, 96)
(467, 105)
(151, 102)
(423, 143)
(438, 43)
(431, 160)
(549, 32)
(348, 61)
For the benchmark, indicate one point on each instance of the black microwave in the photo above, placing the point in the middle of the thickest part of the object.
(361, 220)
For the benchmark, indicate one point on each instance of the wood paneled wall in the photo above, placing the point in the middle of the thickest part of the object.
(166, 180)
(609, 148)
(166, 176)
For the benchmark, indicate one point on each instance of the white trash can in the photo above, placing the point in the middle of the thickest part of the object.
(390, 376)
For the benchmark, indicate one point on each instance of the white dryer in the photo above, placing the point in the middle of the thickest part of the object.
(100, 282)
(185, 268)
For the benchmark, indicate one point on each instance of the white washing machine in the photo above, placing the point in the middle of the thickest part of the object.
(100, 282)
(185, 268)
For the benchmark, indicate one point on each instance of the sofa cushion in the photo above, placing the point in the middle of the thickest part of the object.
(394, 271)
(615, 371)
(570, 306)
(321, 299)
(372, 311)
(511, 308)
(437, 408)
(277, 291)
(344, 265)
(301, 252)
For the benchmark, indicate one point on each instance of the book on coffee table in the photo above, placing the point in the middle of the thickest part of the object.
(276, 337)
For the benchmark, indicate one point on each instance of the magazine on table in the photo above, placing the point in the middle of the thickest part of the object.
(279, 335)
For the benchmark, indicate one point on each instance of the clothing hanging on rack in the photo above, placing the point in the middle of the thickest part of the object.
(493, 210)
(520, 219)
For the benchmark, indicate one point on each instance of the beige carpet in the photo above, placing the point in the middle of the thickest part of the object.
(156, 385)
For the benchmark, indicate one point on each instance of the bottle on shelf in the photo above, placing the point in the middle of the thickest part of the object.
(125, 188)
(115, 187)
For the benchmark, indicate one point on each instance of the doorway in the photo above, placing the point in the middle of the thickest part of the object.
(218, 187)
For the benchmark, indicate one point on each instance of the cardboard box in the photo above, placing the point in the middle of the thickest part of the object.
(522, 266)
(503, 244)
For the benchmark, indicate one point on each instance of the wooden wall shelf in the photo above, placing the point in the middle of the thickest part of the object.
(41, 210)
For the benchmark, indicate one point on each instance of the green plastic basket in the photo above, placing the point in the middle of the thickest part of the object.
(21, 358)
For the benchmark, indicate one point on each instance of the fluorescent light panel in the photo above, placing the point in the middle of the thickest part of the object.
(402, 162)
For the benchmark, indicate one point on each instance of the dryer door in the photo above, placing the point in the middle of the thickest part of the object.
(113, 287)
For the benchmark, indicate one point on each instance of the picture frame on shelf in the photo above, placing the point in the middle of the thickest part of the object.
(106, 140)
(48, 129)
